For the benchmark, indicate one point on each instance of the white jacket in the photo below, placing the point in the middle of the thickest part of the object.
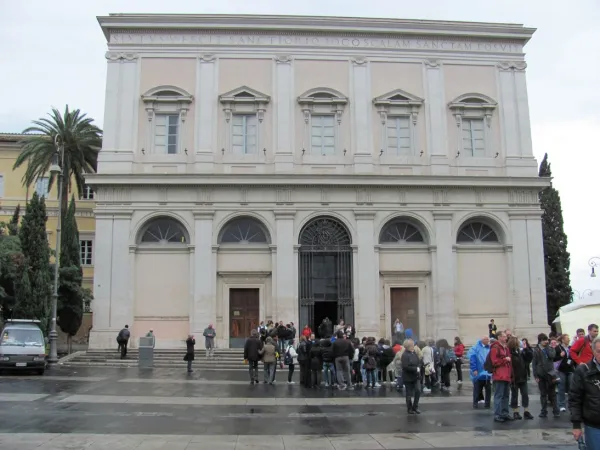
(293, 353)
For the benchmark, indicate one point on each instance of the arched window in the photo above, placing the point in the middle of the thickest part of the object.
(324, 232)
(164, 230)
(400, 232)
(477, 233)
(244, 230)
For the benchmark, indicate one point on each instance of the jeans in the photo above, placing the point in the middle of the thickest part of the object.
(413, 389)
(446, 375)
(592, 437)
(290, 372)
(501, 396)
(253, 369)
(514, 395)
(371, 377)
(458, 365)
(356, 375)
(548, 394)
(363, 371)
(189, 365)
(342, 368)
(269, 370)
(479, 387)
(563, 387)
(328, 373)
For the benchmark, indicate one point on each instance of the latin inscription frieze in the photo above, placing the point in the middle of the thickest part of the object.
(357, 42)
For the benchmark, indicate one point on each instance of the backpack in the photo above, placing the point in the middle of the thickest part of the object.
(487, 365)
(287, 359)
(436, 356)
(450, 356)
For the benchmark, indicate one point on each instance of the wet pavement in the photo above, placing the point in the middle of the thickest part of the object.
(114, 408)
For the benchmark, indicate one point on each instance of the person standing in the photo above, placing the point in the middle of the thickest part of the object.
(545, 375)
(306, 331)
(304, 362)
(398, 331)
(492, 330)
(501, 377)
(253, 349)
(581, 350)
(123, 340)
(410, 376)
(189, 353)
(209, 340)
(565, 371)
(269, 354)
(519, 381)
(584, 399)
(327, 357)
(342, 353)
(459, 352)
(290, 359)
(479, 376)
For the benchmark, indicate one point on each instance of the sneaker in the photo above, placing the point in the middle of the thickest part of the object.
(556, 413)
(459, 381)
(543, 415)
(527, 415)
(499, 419)
(416, 410)
(517, 416)
(563, 409)
(426, 391)
(291, 382)
(377, 385)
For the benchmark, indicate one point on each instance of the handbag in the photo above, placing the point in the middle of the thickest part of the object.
(554, 376)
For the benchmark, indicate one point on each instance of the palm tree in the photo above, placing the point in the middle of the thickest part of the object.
(81, 139)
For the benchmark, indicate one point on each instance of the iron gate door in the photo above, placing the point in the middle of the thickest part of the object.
(325, 266)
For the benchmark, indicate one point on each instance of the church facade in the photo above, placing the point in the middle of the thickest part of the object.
(297, 168)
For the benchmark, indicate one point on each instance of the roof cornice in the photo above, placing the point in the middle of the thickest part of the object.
(319, 24)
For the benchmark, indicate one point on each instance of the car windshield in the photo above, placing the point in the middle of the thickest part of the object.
(22, 338)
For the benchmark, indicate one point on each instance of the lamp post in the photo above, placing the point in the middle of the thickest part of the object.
(56, 169)
(593, 263)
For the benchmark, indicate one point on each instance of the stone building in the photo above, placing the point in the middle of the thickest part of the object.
(292, 168)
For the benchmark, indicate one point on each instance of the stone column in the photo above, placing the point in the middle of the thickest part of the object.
(366, 299)
(436, 111)
(204, 310)
(121, 106)
(361, 116)
(444, 305)
(285, 285)
(205, 129)
(284, 107)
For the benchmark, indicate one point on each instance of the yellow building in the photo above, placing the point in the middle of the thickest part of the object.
(13, 193)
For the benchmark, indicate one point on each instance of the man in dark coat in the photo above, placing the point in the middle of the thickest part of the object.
(122, 340)
(252, 352)
(189, 353)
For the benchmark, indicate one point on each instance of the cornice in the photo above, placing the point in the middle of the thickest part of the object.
(313, 180)
(313, 24)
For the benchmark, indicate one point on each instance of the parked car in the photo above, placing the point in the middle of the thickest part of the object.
(22, 346)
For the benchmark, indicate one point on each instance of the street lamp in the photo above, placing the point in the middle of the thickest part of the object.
(55, 169)
(594, 262)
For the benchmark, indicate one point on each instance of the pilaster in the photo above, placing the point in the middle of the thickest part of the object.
(204, 307)
(444, 303)
(205, 133)
(361, 119)
(366, 277)
(436, 113)
(283, 126)
(285, 286)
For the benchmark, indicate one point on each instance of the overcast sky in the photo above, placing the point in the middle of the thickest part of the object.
(52, 54)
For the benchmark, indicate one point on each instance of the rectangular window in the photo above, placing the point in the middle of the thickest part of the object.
(166, 134)
(398, 136)
(41, 186)
(322, 135)
(244, 134)
(86, 249)
(473, 137)
(88, 193)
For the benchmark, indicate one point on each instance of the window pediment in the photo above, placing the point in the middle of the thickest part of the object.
(473, 105)
(398, 102)
(322, 101)
(244, 100)
(167, 94)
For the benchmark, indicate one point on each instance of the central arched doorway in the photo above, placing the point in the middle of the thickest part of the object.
(325, 265)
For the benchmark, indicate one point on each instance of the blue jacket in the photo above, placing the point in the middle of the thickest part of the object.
(477, 355)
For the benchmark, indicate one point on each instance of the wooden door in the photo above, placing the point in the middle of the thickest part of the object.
(243, 315)
(405, 306)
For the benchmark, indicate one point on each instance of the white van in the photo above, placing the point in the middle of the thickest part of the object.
(22, 346)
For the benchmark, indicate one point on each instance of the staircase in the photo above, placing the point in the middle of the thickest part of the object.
(224, 359)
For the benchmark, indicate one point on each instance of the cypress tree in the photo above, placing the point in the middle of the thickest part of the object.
(557, 260)
(36, 253)
(13, 225)
(70, 293)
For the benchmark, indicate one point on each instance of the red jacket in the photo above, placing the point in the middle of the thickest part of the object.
(459, 350)
(306, 332)
(581, 350)
(502, 366)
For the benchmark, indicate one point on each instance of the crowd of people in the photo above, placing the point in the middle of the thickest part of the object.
(566, 371)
